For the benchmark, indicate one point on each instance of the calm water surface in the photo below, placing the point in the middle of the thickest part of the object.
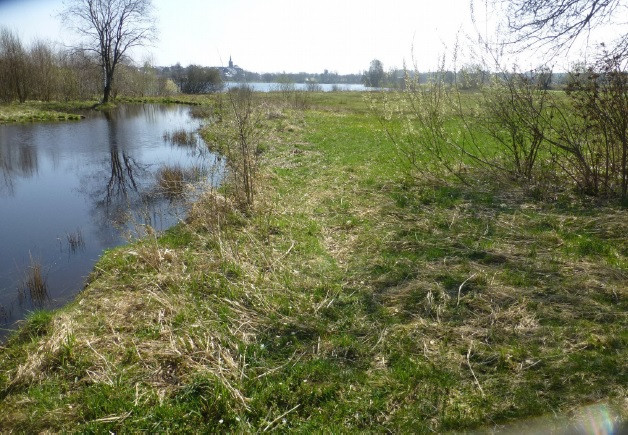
(324, 87)
(92, 182)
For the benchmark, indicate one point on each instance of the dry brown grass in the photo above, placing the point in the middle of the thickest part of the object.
(155, 327)
(34, 285)
(114, 322)
(181, 137)
(173, 181)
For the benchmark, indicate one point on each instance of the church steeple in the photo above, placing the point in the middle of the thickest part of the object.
(230, 62)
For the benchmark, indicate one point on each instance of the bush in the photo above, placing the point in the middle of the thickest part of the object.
(516, 128)
(237, 134)
(591, 135)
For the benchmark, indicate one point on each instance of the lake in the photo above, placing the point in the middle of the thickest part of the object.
(324, 87)
(70, 190)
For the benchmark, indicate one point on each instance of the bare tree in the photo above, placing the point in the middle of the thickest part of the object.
(14, 67)
(44, 70)
(111, 28)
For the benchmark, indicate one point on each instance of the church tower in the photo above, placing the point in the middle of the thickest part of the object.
(230, 62)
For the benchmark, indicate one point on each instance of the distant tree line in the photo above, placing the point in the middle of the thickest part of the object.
(40, 71)
(195, 79)
(468, 77)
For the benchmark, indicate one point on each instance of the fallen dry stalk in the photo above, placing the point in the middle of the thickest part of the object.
(462, 285)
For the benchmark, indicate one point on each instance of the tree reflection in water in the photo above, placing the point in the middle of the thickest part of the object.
(115, 201)
(6, 182)
(121, 180)
(16, 161)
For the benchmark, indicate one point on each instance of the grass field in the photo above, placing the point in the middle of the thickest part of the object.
(351, 299)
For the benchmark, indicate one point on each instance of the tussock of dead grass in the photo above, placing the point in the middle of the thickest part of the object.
(40, 359)
(181, 137)
(173, 181)
(34, 284)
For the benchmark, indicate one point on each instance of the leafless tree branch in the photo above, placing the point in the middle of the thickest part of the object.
(557, 24)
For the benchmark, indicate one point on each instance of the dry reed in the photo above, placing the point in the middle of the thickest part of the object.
(75, 241)
(34, 284)
(181, 137)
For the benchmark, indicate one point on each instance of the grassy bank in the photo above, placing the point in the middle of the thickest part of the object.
(51, 111)
(40, 111)
(350, 299)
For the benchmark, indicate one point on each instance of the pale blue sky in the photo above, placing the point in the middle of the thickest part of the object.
(278, 35)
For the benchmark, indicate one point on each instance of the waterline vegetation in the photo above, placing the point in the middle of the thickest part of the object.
(181, 137)
(33, 287)
(172, 181)
(75, 241)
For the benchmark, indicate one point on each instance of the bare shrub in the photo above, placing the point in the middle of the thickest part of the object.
(237, 134)
(415, 121)
(516, 129)
(514, 113)
(300, 100)
(590, 133)
(15, 68)
(313, 86)
(44, 70)
(293, 97)
(79, 75)
(286, 86)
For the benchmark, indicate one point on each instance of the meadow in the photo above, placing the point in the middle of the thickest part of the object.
(354, 294)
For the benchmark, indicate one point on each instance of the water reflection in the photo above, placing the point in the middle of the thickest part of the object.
(70, 190)
(16, 161)
(121, 180)
(122, 165)
(113, 191)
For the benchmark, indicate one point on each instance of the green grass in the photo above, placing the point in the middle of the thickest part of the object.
(352, 299)
(29, 112)
(53, 111)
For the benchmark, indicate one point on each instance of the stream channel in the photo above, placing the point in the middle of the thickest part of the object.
(70, 190)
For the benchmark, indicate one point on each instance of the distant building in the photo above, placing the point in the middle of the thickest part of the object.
(232, 72)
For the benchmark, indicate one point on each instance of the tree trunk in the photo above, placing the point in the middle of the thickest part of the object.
(108, 87)
(106, 92)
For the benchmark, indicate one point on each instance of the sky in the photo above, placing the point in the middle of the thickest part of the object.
(279, 35)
